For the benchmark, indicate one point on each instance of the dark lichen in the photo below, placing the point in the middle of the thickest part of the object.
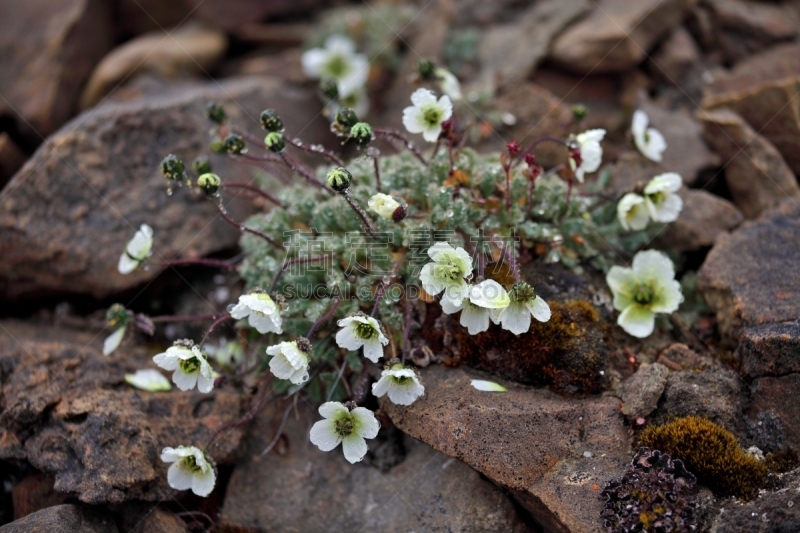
(711, 452)
(656, 494)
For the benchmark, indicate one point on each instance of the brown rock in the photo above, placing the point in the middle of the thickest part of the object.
(746, 27)
(529, 441)
(11, 158)
(632, 169)
(33, 493)
(144, 518)
(640, 392)
(49, 49)
(189, 49)
(703, 218)
(778, 397)
(402, 485)
(70, 211)
(67, 410)
(286, 65)
(755, 172)
(673, 61)
(770, 349)
(617, 34)
(772, 511)
(686, 153)
(510, 53)
(64, 519)
(749, 278)
(763, 89)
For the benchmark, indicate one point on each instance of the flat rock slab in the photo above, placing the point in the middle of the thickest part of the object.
(296, 487)
(66, 409)
(778, 397)
(65, 518)
(763, 90)
(770, 349)
(66, 216)
(703, 217)
(640, 392)
(553, 453)
(749, 277)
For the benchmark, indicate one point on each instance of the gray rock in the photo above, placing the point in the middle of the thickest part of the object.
(65, 518)
(676, 57)
(773, 512)
(640, 392)
(746, 27)
(755, 171)
(703, 218)
(11, 158)
(778, 398)
(66, 216)
(770, 349)
(402, 485)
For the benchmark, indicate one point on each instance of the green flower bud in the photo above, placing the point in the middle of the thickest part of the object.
(215, 112)
(579, 112)
(361, 133)
(329, 89)
(201, 165)
(270, 120)
(173, 168)
(209, 183)
(339, 179)
(426, 69)
(117, 316)
(234, 143)
(274, 142)
(346, 118)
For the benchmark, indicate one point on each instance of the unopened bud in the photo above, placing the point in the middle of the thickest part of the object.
(274, 142)
(173, 168)
(218, 146)
(346, 118)
(426, 68)
(270, 120)
(329, 89)
(201, 165)
(579, 112)
(234, 143)
(530, 160)
(209, 183)
(117, 316)
(339, 179)
(399, 213)
(304, 345)
(215, 112)
(361, 133)
(513, 148)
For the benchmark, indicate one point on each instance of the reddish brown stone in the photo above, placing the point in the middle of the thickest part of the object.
(33, 493)
(65, 518)
(770, 349)
(11, 158)
(673, 61)
(778, 396)
(703, 218)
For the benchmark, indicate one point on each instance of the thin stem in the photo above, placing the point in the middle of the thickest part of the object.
(435, 149)
(260, 402)
(451, 158)
(544, 138)
(297, 260)
(279, 431)
(213, 326)
(265, 158)
(183, 318)
(376, 163)
(315, 149)
(228, 265)
(246, 135)
(253, 188)
(336, 382)
(324, 318)
(362, 216)
(406, 329)
(396, 135)
(242, 227)
(385, 283)
(361, 389)
(507, 169)
(511, 255)
(299, 168)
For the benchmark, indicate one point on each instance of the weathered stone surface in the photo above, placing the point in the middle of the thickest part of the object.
(640, 392)
(144, 518)
(763, 90)
(770, 349)
(703, 218)
(747, 27)
(33, 493)
(189, 49)
(716, 393)
(66, 409)
(779, 398)
(686, 153)
(617, 35)
(49, 49)
(632, 169)
(297, 487)
(11, 158)
(509, 53)
(749, 278)
(755, 172)
(65, 518)
(675, 58)
(66, 216)
(527, 440)
(773, 512)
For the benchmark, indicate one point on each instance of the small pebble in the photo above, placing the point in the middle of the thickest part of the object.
(588, 454)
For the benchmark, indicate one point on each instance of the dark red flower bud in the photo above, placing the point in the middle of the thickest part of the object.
(513, 148)
(530, 160)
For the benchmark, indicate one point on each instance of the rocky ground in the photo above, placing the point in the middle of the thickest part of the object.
(95, 93)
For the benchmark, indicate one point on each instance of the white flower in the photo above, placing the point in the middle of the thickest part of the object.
(137, 250)
(190, 366)
(384, 205)
(516, 318)
(632, 212)
(449, 272)
(339, 62)
(289, 362)
(360, 330)
(358, 101)
(345, 426)
(448, 83)
(649, 141)
(486, 300)
(228, 353)
(189, 470)
(149, 379)
(263, 313)
(112, 341)
(591, 153)
(401, 383)
(427, 114)
(659, 196)
(487, 386)
(644, 290)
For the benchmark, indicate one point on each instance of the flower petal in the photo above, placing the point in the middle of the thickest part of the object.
(516, 318)
(411, 120)
(149, 379)
(474, 318)
(487, 386)
(332, 410)
(179, 478)
(539, 309)
(422, 96)
(324, 436)
(183, 380)
(637, 321)
(313, 60)
(366, 424)
(653, 264)
(373, 350)
(112, 341)
(203, 482)
(354, 447)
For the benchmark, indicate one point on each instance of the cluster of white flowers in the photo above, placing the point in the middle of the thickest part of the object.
(659, 202)
(448, 273)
